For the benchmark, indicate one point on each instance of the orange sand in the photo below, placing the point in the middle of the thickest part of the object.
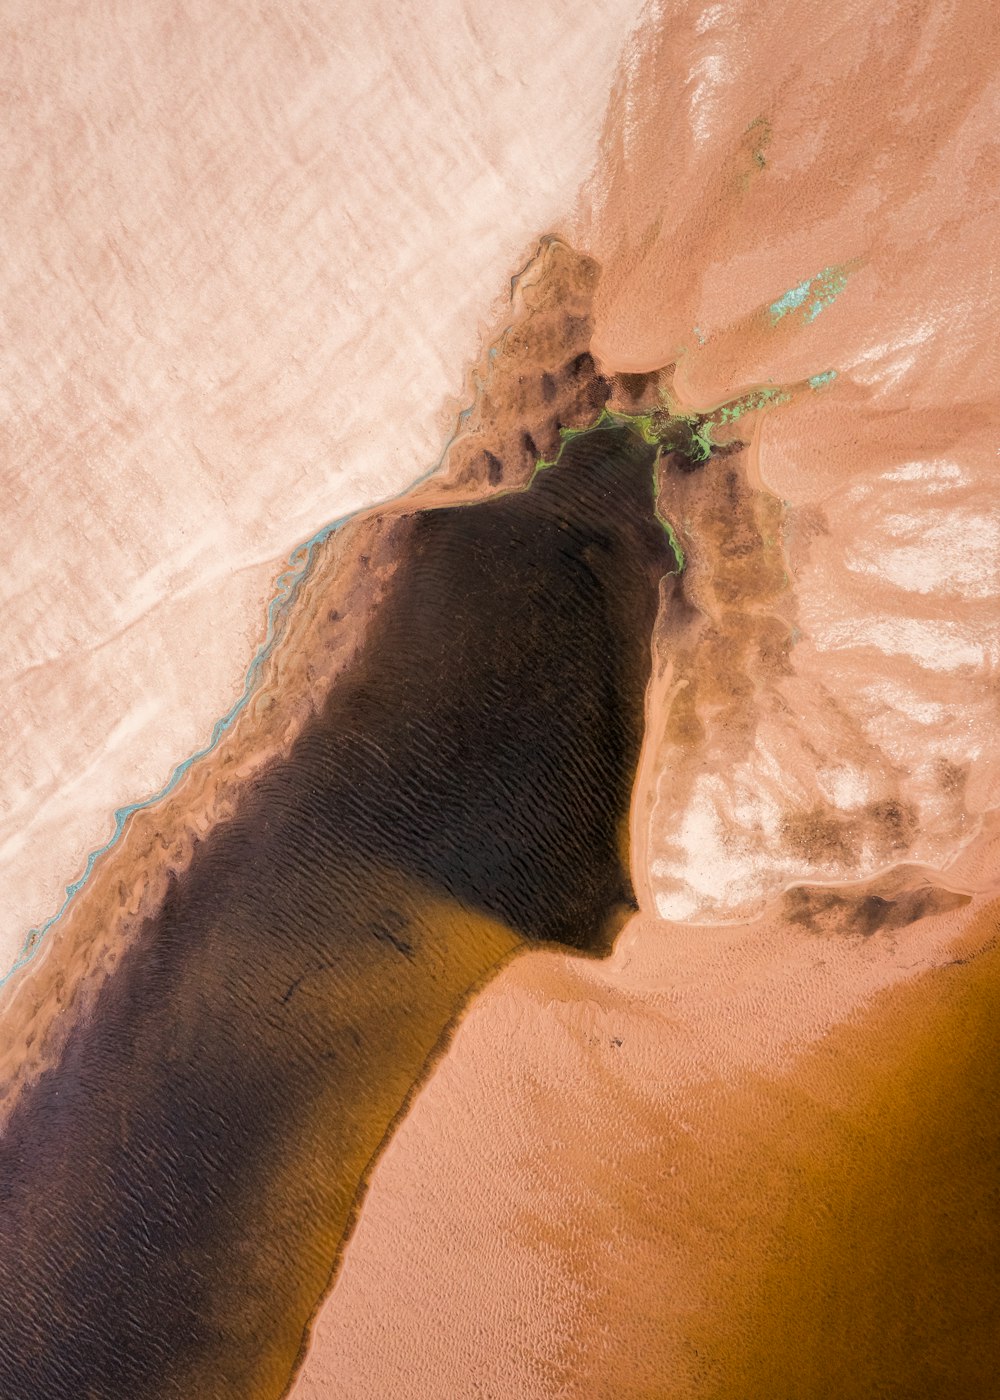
(601, 1172)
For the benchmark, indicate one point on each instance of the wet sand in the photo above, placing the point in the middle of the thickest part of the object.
(176, 1183)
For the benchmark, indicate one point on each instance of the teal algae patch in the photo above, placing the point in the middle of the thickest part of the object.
(812, 296)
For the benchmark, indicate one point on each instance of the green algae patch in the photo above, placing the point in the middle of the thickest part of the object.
(813, 295)
(761, 132)
(692, 436)
(644, 426)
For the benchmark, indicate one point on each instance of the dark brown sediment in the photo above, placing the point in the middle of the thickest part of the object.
(892, 902)
(176, 1183)
(535, 379)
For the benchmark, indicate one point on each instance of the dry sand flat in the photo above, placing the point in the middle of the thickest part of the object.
(791, 194)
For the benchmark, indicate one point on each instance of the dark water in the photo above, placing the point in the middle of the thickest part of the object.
(173, 1192)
